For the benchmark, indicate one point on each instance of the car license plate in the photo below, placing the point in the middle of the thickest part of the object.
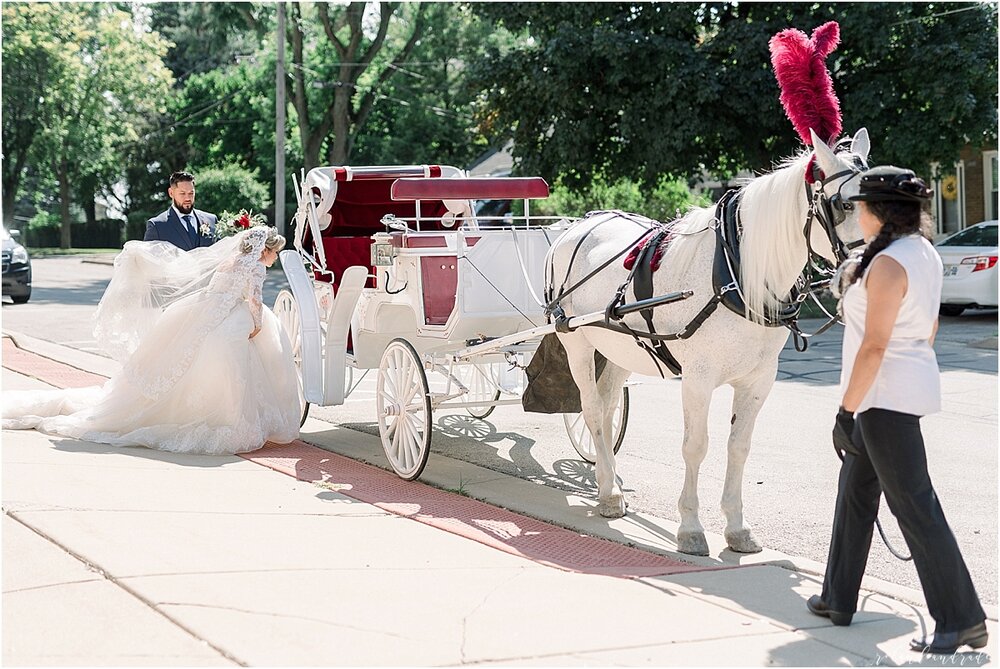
(950, 270)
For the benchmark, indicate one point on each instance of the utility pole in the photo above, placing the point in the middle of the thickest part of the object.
(279, 130)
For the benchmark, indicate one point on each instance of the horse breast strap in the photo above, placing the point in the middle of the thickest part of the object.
(726, 268)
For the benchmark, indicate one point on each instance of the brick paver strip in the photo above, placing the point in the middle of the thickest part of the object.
(501, 529)
(45, 369)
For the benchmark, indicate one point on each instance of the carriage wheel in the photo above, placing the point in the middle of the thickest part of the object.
(581, 438)
(482, 381)
(403, 403)
(287, 312)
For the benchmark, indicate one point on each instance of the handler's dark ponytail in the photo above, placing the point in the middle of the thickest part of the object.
(899, 219)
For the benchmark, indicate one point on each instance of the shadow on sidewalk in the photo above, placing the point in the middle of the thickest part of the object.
(499, 528)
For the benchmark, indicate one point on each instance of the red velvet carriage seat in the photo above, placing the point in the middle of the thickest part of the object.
(363, 197)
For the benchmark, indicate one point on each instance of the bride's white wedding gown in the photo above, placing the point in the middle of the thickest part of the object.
(193, 382)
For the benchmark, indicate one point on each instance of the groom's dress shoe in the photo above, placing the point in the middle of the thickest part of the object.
(946, 643)
(818, 607)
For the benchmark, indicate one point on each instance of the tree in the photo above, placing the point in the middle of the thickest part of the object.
(37, 54)
(231, 188)
(643, 90)
(110, 80)
(424, 113)
(223, 114)
(331, 103)
(220, 111)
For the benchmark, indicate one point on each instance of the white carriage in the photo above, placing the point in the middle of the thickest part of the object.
(393, 270)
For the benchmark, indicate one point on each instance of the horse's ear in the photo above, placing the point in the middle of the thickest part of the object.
(825, 157)
(861, 145)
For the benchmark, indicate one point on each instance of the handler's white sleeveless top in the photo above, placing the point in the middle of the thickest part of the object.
(908, 380)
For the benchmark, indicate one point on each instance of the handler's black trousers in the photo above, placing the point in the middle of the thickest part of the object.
(893, 461)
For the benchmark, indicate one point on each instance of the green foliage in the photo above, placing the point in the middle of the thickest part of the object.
(924, 82)
(221, 111)
(424, 113)
(239, 127)
(38, 53)
(230, 188)
(636, 95)
(41, 230)
(105, 79)
(650, 89)
(666, 200)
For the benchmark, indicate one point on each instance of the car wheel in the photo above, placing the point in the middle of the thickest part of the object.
(20, 299)
(951, 310)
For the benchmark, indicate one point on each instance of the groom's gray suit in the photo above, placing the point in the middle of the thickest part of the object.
(168, 227)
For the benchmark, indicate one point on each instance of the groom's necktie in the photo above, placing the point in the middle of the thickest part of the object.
(192, 232)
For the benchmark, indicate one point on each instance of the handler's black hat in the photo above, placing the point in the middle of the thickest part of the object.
(887, 182)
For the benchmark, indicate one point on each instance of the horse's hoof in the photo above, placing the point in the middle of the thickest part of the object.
(692, 543)
(742, 542)
(613, 508)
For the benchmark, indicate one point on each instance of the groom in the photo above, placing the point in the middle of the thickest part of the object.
(182, 225)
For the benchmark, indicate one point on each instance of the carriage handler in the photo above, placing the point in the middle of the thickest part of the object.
(890, 379)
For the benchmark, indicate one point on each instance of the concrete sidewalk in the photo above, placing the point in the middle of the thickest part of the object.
(299, 557)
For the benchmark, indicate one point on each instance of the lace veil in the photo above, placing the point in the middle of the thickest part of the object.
(150, 276)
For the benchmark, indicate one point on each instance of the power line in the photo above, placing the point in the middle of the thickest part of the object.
(934, 16)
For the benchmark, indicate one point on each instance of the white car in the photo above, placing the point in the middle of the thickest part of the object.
(970, 269)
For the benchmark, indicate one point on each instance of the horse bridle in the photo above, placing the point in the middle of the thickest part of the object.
(831, 212)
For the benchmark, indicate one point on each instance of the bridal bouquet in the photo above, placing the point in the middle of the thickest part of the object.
(229, 224)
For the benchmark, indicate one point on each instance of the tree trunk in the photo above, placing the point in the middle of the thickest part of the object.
(65, 232)
(339, 148)
(12, 172)
(90, 209)
(310, 152)
(9, 191)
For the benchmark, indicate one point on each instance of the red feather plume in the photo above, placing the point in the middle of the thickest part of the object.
(806, 88)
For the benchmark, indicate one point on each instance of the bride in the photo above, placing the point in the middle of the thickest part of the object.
(206, 368)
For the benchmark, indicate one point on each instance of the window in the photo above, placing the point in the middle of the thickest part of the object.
(984, 235)
(949, 198)
(990, 184)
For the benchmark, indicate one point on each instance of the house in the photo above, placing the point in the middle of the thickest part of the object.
(967, 193)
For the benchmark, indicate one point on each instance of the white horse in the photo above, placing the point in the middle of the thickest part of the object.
(727, 348)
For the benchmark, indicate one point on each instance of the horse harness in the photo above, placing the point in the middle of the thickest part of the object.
(829, 212)
(725, 285)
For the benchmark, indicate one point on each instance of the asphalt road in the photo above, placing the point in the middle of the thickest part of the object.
(790, 478)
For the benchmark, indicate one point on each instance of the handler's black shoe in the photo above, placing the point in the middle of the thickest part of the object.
(946, 643)
(818, 607)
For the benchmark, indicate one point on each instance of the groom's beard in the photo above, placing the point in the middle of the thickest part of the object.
(185, 210)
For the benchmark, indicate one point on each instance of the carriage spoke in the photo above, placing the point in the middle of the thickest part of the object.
(390, 390)
(406, 452)
(414, 434)
(396, 436)
(407, 399)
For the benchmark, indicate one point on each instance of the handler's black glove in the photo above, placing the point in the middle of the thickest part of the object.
(843, 428)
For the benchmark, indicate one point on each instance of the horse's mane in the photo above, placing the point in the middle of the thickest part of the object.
(773, 249)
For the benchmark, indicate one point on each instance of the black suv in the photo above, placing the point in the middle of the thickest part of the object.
(16, 269)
